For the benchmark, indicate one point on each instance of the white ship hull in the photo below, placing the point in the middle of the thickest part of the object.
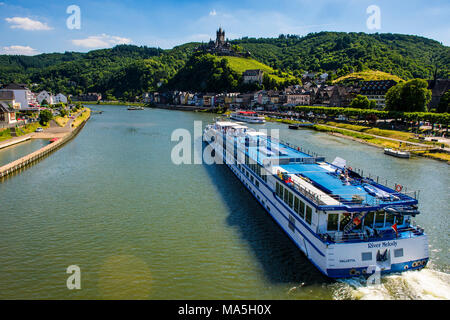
(337, 260)
(248, 119)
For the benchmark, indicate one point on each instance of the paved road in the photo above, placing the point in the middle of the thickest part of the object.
(55, 131)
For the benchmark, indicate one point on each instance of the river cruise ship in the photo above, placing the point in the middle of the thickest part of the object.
(247, 116)
(346, 224)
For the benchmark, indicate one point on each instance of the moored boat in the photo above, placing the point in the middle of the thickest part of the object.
(247, 116)
(135, 108)
(397, 153)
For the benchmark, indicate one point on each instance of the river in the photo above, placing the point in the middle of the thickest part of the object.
(138, 226)
(21, 149)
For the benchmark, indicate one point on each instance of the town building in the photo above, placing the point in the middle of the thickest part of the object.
(376, 91)
(438, 87)
(22, 95)
(91, 96)
(44, 95)
(7, 114)
(208, 100)
(59, 98)
(251, 76)
(9, 98)
(342, 96)
(298, 99)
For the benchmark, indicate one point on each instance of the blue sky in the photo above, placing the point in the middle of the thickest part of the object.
(31, 27)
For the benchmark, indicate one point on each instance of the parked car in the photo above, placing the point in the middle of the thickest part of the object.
(39, 129)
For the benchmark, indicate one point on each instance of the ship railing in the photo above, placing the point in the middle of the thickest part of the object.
(351, 199)
(403, 190)
(399, 188)
(386, 234)
(295, 147)
(316, 198)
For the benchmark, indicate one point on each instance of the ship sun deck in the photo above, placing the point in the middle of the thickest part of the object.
(329, 184)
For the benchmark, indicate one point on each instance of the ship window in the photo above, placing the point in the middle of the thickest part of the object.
(308, 214)
(296, 204)
(257, 183)
(368, 220)
(291, 223)
(252, 179)
(398, 253)
(278, 189)
(332, 222)
(302, 209)
(399, 220)
(379, 219)
(343, 220)
(286, 196)
(366, 256)
(389, 219)
(291, 200)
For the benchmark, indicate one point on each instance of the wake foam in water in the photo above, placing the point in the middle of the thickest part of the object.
(426, 284)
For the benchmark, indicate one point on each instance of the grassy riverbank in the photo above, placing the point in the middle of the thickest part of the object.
(287, 121)
(380, 142)
(367, 135)
(29, 128)
(85, 114)
(5, 134)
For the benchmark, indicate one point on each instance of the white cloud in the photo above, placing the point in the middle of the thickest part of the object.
(27, 24)
(213, 12)
(19, 50)
(101, 41)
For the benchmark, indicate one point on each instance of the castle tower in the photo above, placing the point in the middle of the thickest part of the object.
(220, 39)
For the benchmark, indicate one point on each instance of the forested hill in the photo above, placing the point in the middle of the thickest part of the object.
(126, 71)
(403, 55)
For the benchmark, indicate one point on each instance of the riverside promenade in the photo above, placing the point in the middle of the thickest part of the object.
(63, 134)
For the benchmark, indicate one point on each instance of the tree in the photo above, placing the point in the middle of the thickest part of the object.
(46, 116)
(44, 102)
(360, 102)
(64, 112)
(410, 96)
(444, 103)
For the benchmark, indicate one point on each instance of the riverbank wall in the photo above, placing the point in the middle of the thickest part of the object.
(33, 157)
(14, 141)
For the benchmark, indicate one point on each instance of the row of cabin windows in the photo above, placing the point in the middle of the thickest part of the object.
(295, 203)
(256, 168)
(378, 219)
(252, 179)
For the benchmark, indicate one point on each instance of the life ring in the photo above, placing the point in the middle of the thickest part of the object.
(398, 187)
(353, 272)
(405, 267)
(414, 264)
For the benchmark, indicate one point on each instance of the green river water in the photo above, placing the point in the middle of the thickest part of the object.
(112, 202)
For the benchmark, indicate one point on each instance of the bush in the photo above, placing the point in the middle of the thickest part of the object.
(46, 116)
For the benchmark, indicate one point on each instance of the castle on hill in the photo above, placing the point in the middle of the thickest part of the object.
(221, 46)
